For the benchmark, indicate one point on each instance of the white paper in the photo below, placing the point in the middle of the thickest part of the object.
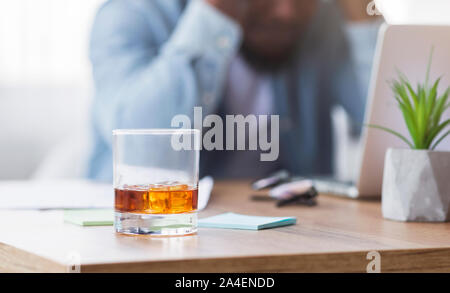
(70, 194)
(205, 187)
(55, 194)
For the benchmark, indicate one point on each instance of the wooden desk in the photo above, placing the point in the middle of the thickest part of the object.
(335, 236)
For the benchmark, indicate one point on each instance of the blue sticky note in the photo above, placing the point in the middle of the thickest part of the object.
(244, 222)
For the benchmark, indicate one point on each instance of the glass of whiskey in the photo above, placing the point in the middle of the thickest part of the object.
(156, 181)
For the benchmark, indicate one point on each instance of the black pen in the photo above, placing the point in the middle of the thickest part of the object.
(307, 198)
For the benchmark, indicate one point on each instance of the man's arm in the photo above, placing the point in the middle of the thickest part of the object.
(143, 83)
(361, 30)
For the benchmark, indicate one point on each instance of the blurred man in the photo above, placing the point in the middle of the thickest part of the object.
(154, 59)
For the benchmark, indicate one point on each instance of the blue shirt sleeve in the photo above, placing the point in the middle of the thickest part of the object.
(362, 38)
(353, 77)
(143, 81)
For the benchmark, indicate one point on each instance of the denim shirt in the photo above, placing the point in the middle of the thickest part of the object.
(154, 59)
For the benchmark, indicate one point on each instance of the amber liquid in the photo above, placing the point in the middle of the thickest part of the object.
(156, 199)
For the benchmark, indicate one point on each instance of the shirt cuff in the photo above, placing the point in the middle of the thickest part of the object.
(202, 28)
(363, 39)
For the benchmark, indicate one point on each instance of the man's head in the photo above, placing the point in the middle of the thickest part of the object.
(272, 29)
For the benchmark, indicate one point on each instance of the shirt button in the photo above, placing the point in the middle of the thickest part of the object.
(224, 42)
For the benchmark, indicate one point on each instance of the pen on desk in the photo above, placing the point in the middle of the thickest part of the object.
(307, 198)
(287, 190)
(273, 180)
(302, 193)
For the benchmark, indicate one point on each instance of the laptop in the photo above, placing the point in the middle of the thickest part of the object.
(406, 48)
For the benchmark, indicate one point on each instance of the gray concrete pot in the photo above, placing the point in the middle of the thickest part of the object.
(416, 185)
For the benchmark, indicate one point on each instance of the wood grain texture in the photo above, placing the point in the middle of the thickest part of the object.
(334, 236)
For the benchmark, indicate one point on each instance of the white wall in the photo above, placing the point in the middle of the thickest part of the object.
(45, 80)
(33, 120)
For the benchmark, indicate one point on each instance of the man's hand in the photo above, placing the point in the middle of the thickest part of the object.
(236, 9)
(356, 10)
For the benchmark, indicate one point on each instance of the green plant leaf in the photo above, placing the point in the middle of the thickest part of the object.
(431, 101)
(392, 132)
(427, 77)
(409, 119)
(402, 98)
(421, 118)
(440, 140)
(400, 90)
(412, 94)
(404, 80)
(422, 109)
(435, 132)
(440, 107)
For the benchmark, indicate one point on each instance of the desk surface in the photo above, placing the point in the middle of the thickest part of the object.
(334, 236)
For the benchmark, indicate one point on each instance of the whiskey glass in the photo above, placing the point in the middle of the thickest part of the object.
(156, 181)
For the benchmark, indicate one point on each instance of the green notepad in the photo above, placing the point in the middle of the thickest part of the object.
(90, 217)
(243, 222)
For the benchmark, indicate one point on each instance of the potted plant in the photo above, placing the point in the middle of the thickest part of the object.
(416, 181)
